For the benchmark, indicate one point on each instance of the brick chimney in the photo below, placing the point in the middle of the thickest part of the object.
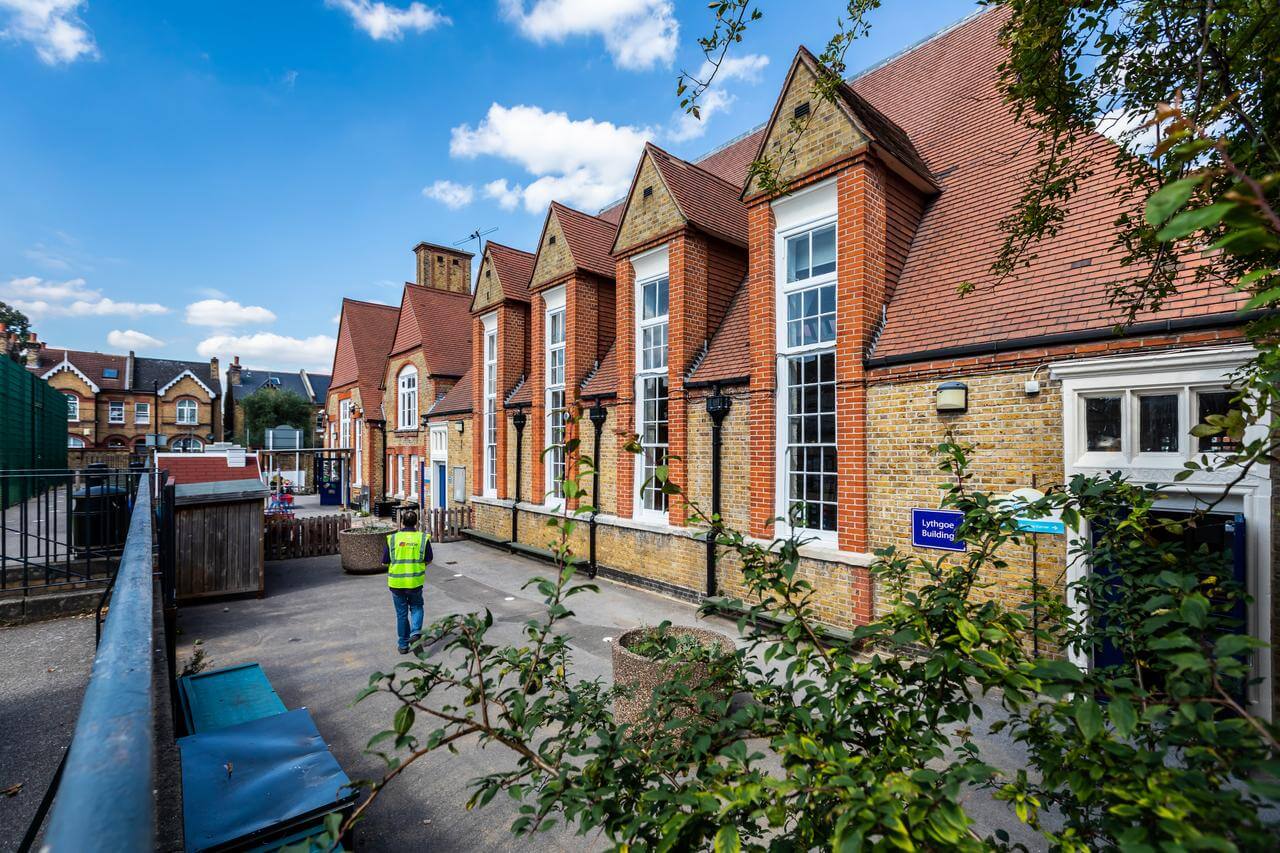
(233, 372)
(31, 353)
(443, 268)
(213, 370)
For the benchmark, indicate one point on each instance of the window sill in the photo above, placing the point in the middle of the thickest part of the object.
(406, 430)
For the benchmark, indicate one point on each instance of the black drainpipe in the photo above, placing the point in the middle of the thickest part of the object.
(597, 414)
(718, 406)
(518, 420)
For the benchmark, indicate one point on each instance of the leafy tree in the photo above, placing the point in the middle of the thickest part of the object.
(16, 322)
(271, 407)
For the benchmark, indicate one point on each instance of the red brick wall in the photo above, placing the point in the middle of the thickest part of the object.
(686, 333)
(624, 418)
(536, 429)
(477, 407)
(513, 362)
(760, 293)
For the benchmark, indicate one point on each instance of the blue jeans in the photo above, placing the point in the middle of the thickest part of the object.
(408, 604)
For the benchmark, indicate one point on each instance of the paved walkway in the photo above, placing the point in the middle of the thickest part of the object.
(319, 633)
(43, 672)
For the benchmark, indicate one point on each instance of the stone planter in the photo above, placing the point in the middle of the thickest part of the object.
(641, 674)
(361, 549)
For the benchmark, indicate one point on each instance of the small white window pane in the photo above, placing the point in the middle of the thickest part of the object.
(1102, 424)
(798, 258)
(823, 251)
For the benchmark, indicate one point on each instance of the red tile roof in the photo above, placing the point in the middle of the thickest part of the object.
(732, 161)
(514, 268)
(360, 357)
(439, 322)
(729, 354)
(604, 381)
(456, 401)
(945, 95)
(187, 468)
(704, 199)
(521, 395)
(91, 364)
(590, 239)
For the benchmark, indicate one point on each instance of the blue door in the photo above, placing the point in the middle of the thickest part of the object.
(441, 491)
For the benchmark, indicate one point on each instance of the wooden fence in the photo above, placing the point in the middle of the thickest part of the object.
(446, 525)
(315, 536)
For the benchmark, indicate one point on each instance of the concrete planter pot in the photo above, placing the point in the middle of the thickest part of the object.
(361, 549)
(639, 674)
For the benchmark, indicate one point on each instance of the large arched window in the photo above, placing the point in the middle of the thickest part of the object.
(188, 412)
(186, 444)
(73, 410)
(408, 396)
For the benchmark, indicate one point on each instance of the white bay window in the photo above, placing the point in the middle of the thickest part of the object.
(652, 297)
(490, 324)
(557, 414)
(407, 384)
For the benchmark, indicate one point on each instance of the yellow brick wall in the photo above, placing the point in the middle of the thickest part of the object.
(460, 458)
(648, 217)
(1018, 441)
(554, 259)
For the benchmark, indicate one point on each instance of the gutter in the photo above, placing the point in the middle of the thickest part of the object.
(1184, 324)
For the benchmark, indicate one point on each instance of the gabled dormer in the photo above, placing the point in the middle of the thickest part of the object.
(572, 241)
(504, 276)
(808, 133)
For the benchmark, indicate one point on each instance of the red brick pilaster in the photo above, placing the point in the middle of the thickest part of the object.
(477, 412)
(625, 416)
(535, 432)
(860, 270)
(687, 331)
(764, 370)
(513, 362)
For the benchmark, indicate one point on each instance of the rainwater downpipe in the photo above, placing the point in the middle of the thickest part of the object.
(597, 414)
(518, 420)
(718, 406)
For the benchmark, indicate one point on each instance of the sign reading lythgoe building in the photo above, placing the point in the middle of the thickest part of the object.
(936, 528)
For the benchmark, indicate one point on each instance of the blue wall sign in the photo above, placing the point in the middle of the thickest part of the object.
(936, 528)
(1041, 525)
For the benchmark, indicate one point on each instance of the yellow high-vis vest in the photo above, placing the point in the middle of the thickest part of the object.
(408, 567)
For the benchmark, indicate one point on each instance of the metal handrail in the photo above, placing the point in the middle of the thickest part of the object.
(106, 800)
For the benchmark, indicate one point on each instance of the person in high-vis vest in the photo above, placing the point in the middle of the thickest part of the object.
(406, 555)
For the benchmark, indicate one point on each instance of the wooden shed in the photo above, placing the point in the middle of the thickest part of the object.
(218, 524)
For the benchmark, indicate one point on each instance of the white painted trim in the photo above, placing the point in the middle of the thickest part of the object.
(806, 206)
(67, 365)
(651, 264)
(176, 379)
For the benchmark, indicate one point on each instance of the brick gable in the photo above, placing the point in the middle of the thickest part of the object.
(650, 209)
(554, 260)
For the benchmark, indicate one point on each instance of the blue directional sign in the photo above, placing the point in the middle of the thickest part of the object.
(936, 528)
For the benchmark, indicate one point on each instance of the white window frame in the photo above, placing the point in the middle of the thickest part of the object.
(407, 398)
(554, 299)
(650, 267)
(75, 441)
(357, 428)
(400, 475)
(807, 210)
(489, 415)
(73, 408)
(141, 413)
(115, 411)
(344, 425)
(181, 443)
(189, 406)
(413, 475)
(1186, 372)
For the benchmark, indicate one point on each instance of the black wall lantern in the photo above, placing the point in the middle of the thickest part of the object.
(597, 414)
(952, 398)
(518, 420)
(718, 406)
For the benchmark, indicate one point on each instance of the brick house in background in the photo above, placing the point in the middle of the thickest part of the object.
(447, 462)
(430, 351)
(243, 381)
(354, 402)
(830, 318)
(123, 401)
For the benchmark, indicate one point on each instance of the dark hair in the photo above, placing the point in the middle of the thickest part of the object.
(409, 520)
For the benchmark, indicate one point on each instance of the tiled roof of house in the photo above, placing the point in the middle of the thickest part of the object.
(364, 339)
(732, 161)
(590, 239)
(91, 364)
(149, 373)
(319, 385)
(706, 200)
(439, 321)
(521, 395)
(945, 95)
(254, 380)
(603, 381)
(514, 268)
(456, 401)
(188, 468)
(729, 355)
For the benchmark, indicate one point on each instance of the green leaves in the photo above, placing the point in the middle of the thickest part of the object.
(1169, 199)
(727, 840)
(1197, 219)
(1088, 718)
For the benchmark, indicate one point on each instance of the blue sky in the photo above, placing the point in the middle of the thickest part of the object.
(193, 179)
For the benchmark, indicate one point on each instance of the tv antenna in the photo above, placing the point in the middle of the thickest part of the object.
(478, 236)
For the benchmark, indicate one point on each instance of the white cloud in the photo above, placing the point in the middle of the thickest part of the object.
(211, 293)
(53, 27)
(507, 196)
(38, 297)
(390, 23)
(224, 312)
(269, 351)
(131, 339)
(581, 162)
(451, 195)
(746, 68)
(638, 34)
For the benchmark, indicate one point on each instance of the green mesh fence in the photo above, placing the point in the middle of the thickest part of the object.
(33, 430)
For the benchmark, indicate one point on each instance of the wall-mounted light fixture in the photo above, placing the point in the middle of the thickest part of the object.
(952, 397)
(424, 420)
(459, 425)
